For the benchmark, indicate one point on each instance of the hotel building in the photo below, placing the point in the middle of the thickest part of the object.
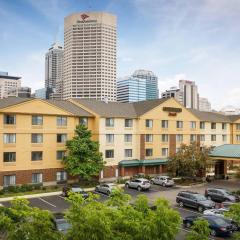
(134, 137)
(90, 56)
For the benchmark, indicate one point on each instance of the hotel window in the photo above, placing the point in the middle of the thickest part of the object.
(179, 137)
(9, 157)
(37, 120)
(164, 137)
(192, 124)
(109, 154)
(165, 152)
(193, 138)
(37, 138)
(37, 156)
(179, 124)
(83, 121)
(149, 152)
(9, 138)
(61, 121)
(202, 125)
(164, 123)
(224, 137)
(9, 180)
(149, 123)
(61, 176)
(110, 138)
(128, 138)
(61, 154)
(238, 126)
(238, 138)
(61, 138)
(149, 138)
(10, 119)
(213, 138)
(213, 125)
(109, 122)
(224, 126)
(128, 123)
(128, 153)
(202, 138)
(36, 178)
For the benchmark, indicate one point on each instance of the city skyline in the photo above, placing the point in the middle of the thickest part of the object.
(203, 49)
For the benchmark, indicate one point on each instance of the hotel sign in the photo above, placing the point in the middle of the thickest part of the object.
(172, 109)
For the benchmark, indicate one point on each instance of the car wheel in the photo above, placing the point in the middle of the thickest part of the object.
(200, 209)
(152, 182)
(108, 192)
(181, 204)
(96, 190)
(127, 185)
(139, 188)
(164, 184)
(213, 233)
(188, 225)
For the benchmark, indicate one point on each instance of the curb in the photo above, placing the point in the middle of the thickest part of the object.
(37, 195)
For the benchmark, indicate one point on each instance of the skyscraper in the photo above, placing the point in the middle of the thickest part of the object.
(90, 56)
(151, 83)
(54, 69)
(131, 89)
(175, 93)
(204, 105)
(190, 94)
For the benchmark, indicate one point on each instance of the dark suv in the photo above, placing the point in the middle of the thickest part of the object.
(220, 195)
(194, 200)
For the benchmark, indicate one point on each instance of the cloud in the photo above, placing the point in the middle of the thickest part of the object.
(168, 82)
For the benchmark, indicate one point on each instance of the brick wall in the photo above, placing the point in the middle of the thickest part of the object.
(142, 146)
(172, 144)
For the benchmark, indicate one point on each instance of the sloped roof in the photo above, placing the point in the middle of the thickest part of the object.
(117, 109)
(210, 116)
(70, 107)
(227, 151)
(10, 101)
(234, 118)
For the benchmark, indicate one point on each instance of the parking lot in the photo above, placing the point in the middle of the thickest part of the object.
(58, 203)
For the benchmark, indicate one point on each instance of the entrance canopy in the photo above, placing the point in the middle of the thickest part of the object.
(145, 162)
(226, 152)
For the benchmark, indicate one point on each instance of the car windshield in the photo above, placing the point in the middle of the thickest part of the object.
(200, 198)
(62, 225)
(219, 221)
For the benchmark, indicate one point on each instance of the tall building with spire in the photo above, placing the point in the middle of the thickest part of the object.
(90, 56)
(54, 70)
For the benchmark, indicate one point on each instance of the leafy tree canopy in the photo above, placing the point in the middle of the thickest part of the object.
(200, 230)
(83, 158)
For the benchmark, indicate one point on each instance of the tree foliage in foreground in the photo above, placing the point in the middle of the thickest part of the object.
(189, 161)
(21, 221)
(199, 231)
(83, 158)
(118, 219)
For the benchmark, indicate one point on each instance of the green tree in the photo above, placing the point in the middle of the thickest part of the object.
(20, 221)
(83, 158)
(200, 230)
(189, 161)
(119, 219)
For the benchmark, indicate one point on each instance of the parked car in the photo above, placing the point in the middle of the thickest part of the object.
(139, 184)
(218, 225)
(220, 195)
(105, 188)
(61, 223)
(76, 189)
(194, 200)
(165, 181)
(220, 213)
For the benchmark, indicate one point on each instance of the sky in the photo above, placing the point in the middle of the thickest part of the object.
(196, 40)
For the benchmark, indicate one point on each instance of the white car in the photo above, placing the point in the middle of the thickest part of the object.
(138, 183)
(165, 181)
(105, 188)
(216, 212)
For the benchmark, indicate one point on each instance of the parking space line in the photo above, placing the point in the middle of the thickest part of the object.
(61, 197)
(185, 209)
(47, 202)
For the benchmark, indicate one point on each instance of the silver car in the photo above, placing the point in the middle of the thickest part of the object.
(165, 181)
(105, 188)
(138, 183)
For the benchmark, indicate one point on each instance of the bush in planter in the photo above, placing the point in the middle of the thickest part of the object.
(12, 189)
(26, 188)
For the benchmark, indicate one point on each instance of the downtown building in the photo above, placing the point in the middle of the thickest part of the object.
(8, 83)
(54, 70)
(204, 105)
(142, 85)
(90, 56)
(133, 137)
